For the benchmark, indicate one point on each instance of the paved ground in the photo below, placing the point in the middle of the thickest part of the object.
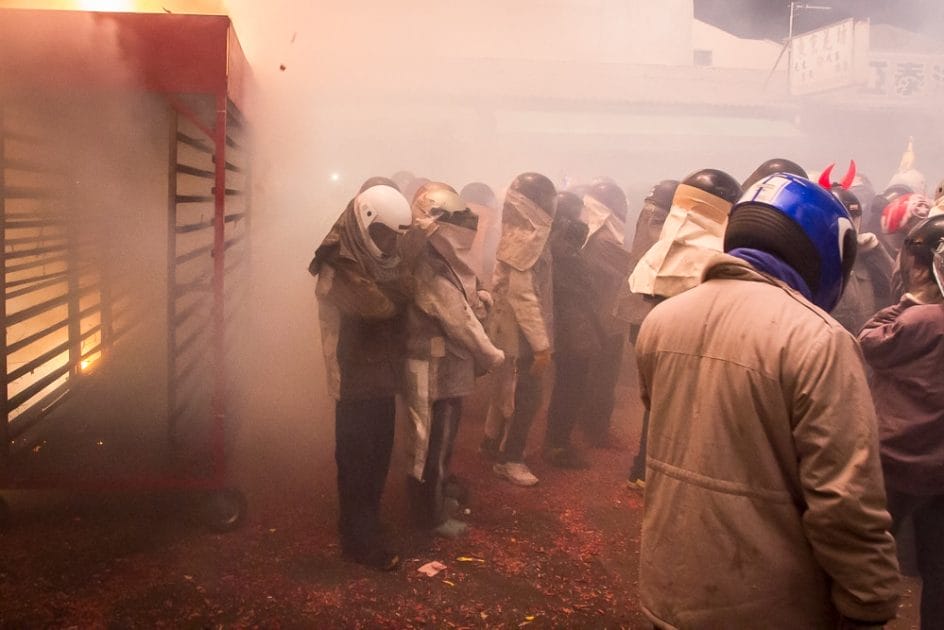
(563, 554)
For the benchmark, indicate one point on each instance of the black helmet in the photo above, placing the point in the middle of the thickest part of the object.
(569, 206)
(538, 189)
(662, 193)
(715, 182)
(925, 243)
(850, 201)
(771, 166)
(479, 193)
(611, 196)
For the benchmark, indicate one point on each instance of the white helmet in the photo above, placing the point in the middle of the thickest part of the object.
(383, 204)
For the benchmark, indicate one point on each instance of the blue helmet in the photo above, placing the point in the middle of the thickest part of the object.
(801, 223)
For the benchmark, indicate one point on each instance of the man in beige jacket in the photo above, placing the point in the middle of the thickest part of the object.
(765, 505)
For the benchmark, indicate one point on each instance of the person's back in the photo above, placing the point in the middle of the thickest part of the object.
(764, 496)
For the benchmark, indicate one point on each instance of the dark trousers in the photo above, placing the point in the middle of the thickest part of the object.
(363, 443)
(927, 513)
(603, 375)
(428, 494)
(527, 401)
(638, 471)
(568, 398)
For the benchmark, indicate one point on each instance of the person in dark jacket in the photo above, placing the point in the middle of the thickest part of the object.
(904, 345)
(608, 263)
(576, 334)
(361, 298)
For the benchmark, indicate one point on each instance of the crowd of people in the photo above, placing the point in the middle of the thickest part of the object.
(789, 334)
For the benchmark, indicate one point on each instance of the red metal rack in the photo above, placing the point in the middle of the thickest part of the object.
(81, 324)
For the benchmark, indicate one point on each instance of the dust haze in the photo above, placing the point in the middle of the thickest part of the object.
(457, 92)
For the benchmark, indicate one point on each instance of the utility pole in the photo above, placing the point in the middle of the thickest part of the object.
(793, 8)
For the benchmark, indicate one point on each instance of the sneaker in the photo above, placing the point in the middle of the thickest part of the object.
(515, 472)
(636, 483)
(450, 528)
(564, 458)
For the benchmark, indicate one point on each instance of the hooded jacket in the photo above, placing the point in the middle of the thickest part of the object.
(765, 505)
(360, 307)
(522, 285)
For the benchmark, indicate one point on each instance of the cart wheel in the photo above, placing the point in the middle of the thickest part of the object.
(225, 510)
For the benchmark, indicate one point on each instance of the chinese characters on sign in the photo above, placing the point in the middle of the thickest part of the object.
(829, 58)
(904, 76)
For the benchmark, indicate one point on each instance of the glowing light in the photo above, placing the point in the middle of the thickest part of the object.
(335, 177)
(107, 5)
(85, 365)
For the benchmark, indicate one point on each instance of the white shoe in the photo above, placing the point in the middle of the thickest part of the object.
(515, 472)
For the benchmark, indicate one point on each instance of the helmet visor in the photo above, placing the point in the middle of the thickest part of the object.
(937, 266)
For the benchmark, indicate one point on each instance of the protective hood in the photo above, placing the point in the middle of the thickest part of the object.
(693, 234)
(525, 229)
(453, 243)
(354, 243)
(597, 217)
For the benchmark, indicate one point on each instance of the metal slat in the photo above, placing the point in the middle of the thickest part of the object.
(200, 251)
(33, 288)
(193, 198)
(36, 336)
(193, 227)
(196, 172)
(38, 386)
(42, 307)
(30, 366)
(38, 251)
(197, 144)
(28, 192)
(35, 263)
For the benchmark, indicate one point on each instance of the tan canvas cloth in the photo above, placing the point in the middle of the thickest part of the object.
(693, 233)
(525, 229)
(598, 217)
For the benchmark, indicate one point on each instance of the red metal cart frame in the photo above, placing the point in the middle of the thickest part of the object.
(196, 63)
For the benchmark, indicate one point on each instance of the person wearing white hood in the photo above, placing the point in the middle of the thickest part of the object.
(446, 347)
(521, 322)
(692, 235)
(361, 297)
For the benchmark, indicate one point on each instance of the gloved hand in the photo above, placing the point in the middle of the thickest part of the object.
(542, 359)
(867, 241)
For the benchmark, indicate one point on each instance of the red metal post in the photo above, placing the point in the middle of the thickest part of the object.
(218, 408)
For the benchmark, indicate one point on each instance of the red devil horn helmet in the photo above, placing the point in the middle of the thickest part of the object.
(824, 180)
(846, 182)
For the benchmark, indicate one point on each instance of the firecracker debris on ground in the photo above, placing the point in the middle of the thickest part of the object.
(562, 554)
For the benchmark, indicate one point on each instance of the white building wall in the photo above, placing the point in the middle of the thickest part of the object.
(730, 51)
